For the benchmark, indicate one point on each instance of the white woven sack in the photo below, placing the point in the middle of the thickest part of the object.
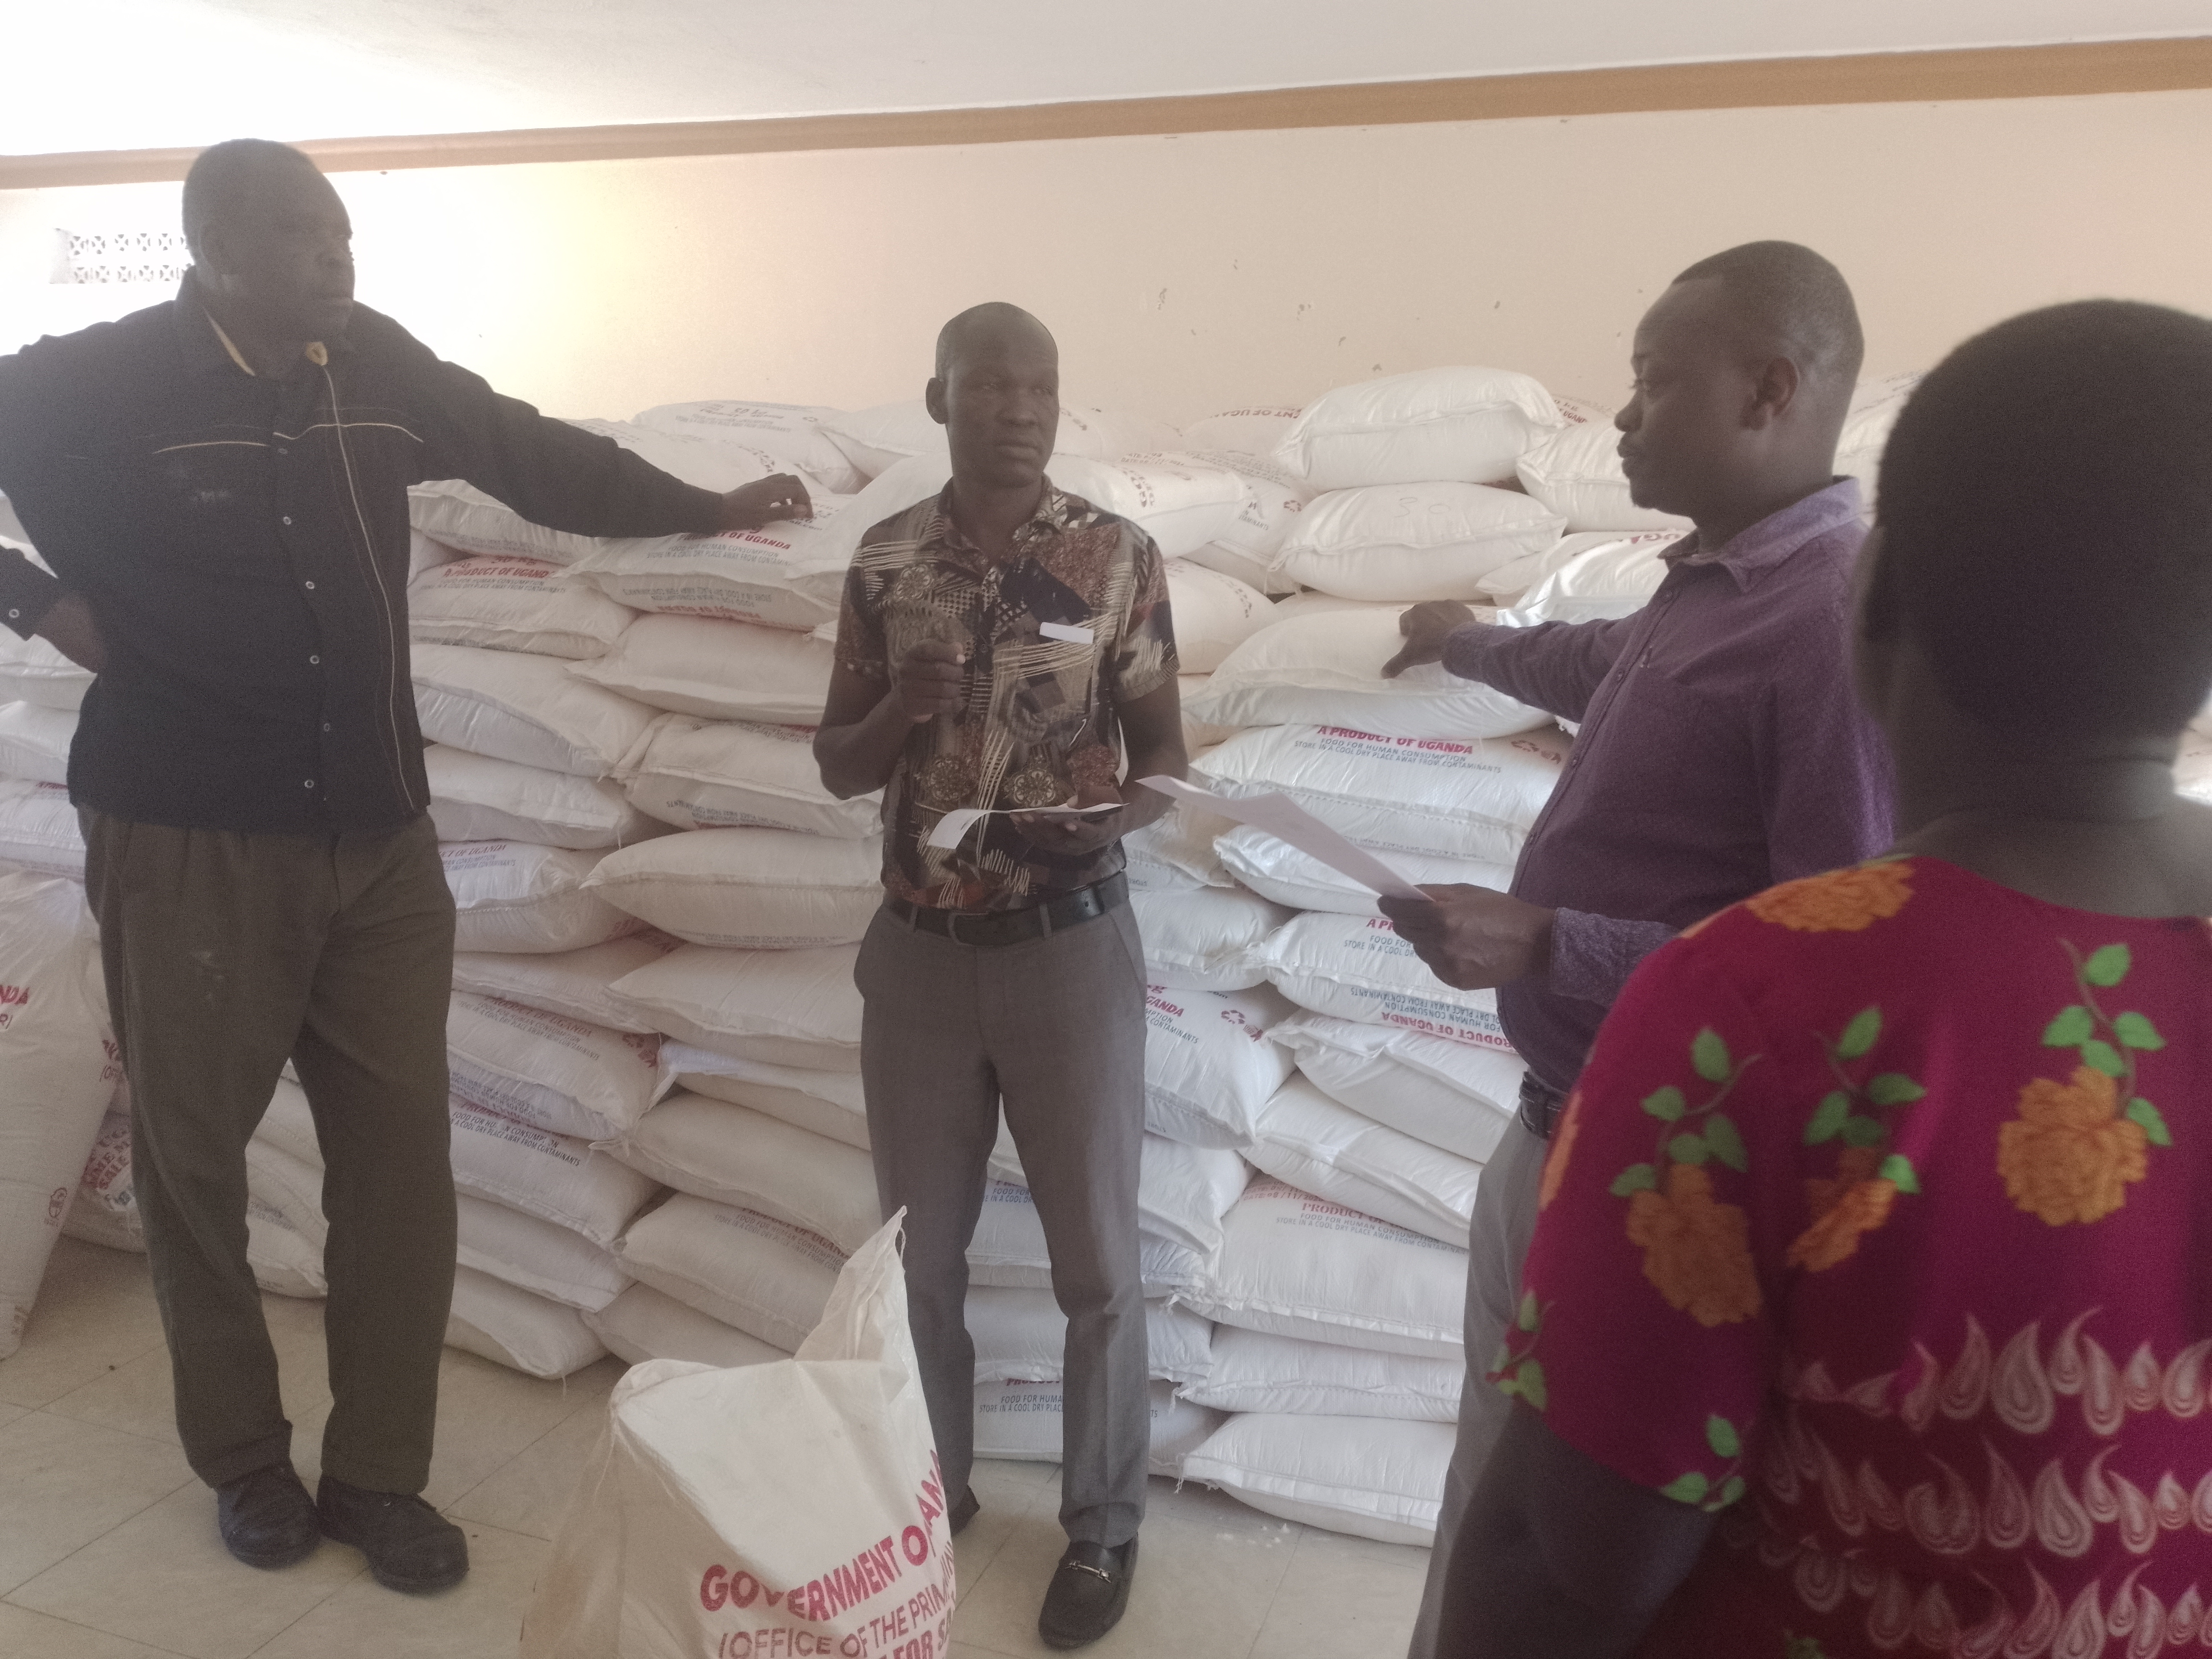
(1276, 870)
(760, 1275)
(1197, 734)
(35, 671)
(1614, 577)
(59, 1071)
(1024, 1422)
(734, 1155)
(460, 516)
(1412, 541)
(1327, 670)
(508, 604)
(1312, 602)
(556, 1177)
(475, 798)
(797, 1505)
(701, 775)
(720, 464)
(34, 742)
(1461, 423)
(791, 433)
(511, 1327)
(1182, 1190)
(39, 830)
(1180, 502)
(531, 710)
(1307, 1140)
(1209, 938)
(1294, 1265)
(748, 889)
(1008, 1247)
(1475, 799)
(558, 1073)
(1213, 614)
(784, 574)
(105, 1210)
(1273, 498)
(1253, 430)
(831, 1104)
(877, 439)
(570, 982)
(425, 555)
(1255, 1372)
(283, 1261)
(287, 1123)
(1875, 405)
(291, 1188)
(788, 1007)
(719, 670)
(1512, 585)
(1358, 968)
(531, 1253)
(1365, 1476)
(1021, 1336)
(1576, 472)
(2192, 769)
(511, 895)
(1457, 1095)
(1174, 853)
(643, 1323)
(1256, 573)
(1209, 1066)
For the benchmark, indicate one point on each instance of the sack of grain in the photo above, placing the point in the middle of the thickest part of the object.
(1457, 1095)
(1411, 542)
(574, 983)
(698, 775)
(643, 1323)
(34, 741)
(1276, 870)
(1577, 473)
(289, 1188)
(719, 670)
(287, 1123)
(1327, 669)
(510, 896)
(788, 1007)
(793, 433)
(105, 1210)
(1458, 799)
(475, 798)
(1365, 1476)
(1022, 1336)
(557, 1177)
(1614, 575)
(748, 889)
(531, 710)
(733, 1155)
(829, 1103)
(1255, 1372)
(1180, 502)
(1358, 968)
(1174, 853)
(39, 832)
(559, 1074)
(1461, 424)
(1213, 614)
(284, 1261)
(1307, 1141)
(1209, 938)
(510, 1326)
(1024, 1422)
(507, 604)
(1209, 1066)
(1875, 405)
(1273, 498)
(1255, 429)
(1008, 1247)
(877, 439)
(35, 671)
(760, 1275)
(531, 1253)
(784, 574)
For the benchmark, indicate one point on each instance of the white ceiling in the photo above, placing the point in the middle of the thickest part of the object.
(130, 74)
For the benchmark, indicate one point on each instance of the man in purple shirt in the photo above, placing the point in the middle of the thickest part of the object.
(1721, 751)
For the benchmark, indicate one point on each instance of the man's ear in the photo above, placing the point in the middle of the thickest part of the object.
(1772, 393)
(933, 397)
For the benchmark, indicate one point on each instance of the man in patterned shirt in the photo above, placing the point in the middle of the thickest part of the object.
(1001, 645)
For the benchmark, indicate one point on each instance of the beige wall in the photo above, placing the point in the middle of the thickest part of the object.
(1185, 274)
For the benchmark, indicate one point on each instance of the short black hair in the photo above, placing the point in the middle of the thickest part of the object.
(2046, 518)
(991, 314)
(1791, 294)
(224, 175)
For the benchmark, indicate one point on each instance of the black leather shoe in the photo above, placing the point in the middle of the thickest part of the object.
(267, 1518)
(1087, 1595)
(409, 1546)
(964, 1511)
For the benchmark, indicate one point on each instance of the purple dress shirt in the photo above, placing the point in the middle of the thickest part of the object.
(1722, 750)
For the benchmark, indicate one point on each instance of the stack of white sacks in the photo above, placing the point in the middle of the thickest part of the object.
(658, 1130)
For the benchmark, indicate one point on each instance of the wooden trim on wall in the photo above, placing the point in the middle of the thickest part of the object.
(2163, 65)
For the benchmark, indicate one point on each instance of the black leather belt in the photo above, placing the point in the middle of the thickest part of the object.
(989, 929)
(1539, 1106)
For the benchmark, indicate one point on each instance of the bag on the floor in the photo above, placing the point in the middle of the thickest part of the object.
(734, 1155)
(558, 1073)
(1405, 542)
(1008, 1249)
(1253, 1371)
(287, 1123)
(58, 1069)
(717, 671)
(1460, 1096)
(105, 1209)
(1307, 1140)
(34, 742)
(1182, 1190)
(1208, 1065)
(643, 1323)
(533, 1254)
(748, 889)
(285, 1260)
(1024, 1422)
(763, 1276)
(1366, 1476)
(781, 1509)
(512, 896)
(1361, 969)
(35, 671)
(511, 1327)
(530, 710)
(475, 798)
(702, 774)
(556, 1177)
(833, 1105)
(1465, 423)
(574, 983)
(39, 832)
(788, 1007)
(513, 604)
(1210, 938)
(1021, 1335)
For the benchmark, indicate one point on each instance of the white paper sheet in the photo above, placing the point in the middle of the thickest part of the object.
(1285, 819)
(952, 829)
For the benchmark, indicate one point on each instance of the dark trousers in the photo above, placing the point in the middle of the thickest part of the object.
(1054, 1028)
(226, 954)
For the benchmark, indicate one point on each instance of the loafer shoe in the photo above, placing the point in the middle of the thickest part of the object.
(409, 1546)
(267, 1517)
(1088, 1595)
(963, 1512)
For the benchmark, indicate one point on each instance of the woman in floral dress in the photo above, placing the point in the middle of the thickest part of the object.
(1870, 1305)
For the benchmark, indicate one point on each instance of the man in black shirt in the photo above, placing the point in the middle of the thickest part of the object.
(220, 486)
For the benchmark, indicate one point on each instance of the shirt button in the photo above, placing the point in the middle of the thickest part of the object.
(309, 784)
(288, 519)
(311, 587)
(314, 662)
(326, 726)
(12, 615)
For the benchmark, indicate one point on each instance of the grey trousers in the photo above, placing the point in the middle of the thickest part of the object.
(1497, 1245)
(1054, 1030)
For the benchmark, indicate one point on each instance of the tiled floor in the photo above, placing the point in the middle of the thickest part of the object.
(108, 1546)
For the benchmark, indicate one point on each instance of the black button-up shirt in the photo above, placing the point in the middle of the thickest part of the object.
(243, 544)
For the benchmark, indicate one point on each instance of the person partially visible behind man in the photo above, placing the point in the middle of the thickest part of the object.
(220, 484)
(1001, 645)
(1722, 750)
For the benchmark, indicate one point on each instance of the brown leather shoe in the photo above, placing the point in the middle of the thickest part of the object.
(1088, 1594)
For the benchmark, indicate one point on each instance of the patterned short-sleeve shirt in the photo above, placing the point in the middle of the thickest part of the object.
(1059, 637)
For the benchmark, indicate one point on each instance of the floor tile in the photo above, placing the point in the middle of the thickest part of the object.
(139, 1397)
(163, 1577)
(1342, 1595)
(479, 1619)
(64, 1483)
(489, 1415)
(1007, 1492)
(1207, 1573)
(8, 1413)
(531, 1493)
(27, 1635)
(95, 1312)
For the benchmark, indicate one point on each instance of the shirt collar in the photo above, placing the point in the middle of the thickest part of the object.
(1055, 513)
(1752, 552)
(207, 348)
